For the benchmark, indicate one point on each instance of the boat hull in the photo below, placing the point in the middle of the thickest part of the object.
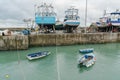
(38, 55)
(89, 61)
(71, 23)
(86, 50)
(45, 21)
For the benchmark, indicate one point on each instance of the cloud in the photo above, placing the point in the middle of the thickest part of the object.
(17, 10)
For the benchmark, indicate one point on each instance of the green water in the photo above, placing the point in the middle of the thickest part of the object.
(61, 64)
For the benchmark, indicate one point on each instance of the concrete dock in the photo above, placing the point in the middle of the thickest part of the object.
(20, 42)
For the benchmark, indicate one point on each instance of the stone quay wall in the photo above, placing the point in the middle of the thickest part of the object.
(21, 42)
(14, 42)
(72, 38)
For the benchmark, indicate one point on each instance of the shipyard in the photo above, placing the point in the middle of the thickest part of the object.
(59, 40)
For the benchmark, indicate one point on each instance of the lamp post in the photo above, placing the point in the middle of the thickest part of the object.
(85, 15)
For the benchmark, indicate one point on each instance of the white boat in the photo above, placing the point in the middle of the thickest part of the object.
(72, 20)
(111, 18)
(38, 55)
(87, 60)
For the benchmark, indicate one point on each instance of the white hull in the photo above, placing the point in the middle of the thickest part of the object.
(37, 57)
(87, 62)
(71, 23)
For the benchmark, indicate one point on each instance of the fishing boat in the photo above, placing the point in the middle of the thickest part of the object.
(38, 55)
(110, 21)
(88, 50)
(45, 16)
(112, 18)
(71, 21)
(87, 60)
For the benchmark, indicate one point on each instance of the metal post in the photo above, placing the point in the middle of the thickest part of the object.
(85, 16)
(86, 13)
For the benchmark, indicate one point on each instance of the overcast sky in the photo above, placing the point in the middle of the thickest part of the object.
(14, 11)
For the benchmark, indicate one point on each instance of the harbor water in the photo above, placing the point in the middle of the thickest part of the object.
(61, 64)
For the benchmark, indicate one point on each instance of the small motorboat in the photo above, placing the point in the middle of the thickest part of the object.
(38, 55)
(87, 60)
(89, 50)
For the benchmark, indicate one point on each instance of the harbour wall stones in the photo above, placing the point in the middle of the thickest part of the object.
(72, 38)
(13, 42)
(20, 42)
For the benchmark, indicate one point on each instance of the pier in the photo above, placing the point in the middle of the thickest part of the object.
(21, 42)
(71, 39)
(14, 42)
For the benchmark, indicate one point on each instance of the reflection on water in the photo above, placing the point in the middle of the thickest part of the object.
(83, 68)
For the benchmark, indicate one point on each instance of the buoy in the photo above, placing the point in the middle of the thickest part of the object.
(7, 76)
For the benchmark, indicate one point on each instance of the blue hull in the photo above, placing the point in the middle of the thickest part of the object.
(87, 60)
(86, 50)
(45, 20)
